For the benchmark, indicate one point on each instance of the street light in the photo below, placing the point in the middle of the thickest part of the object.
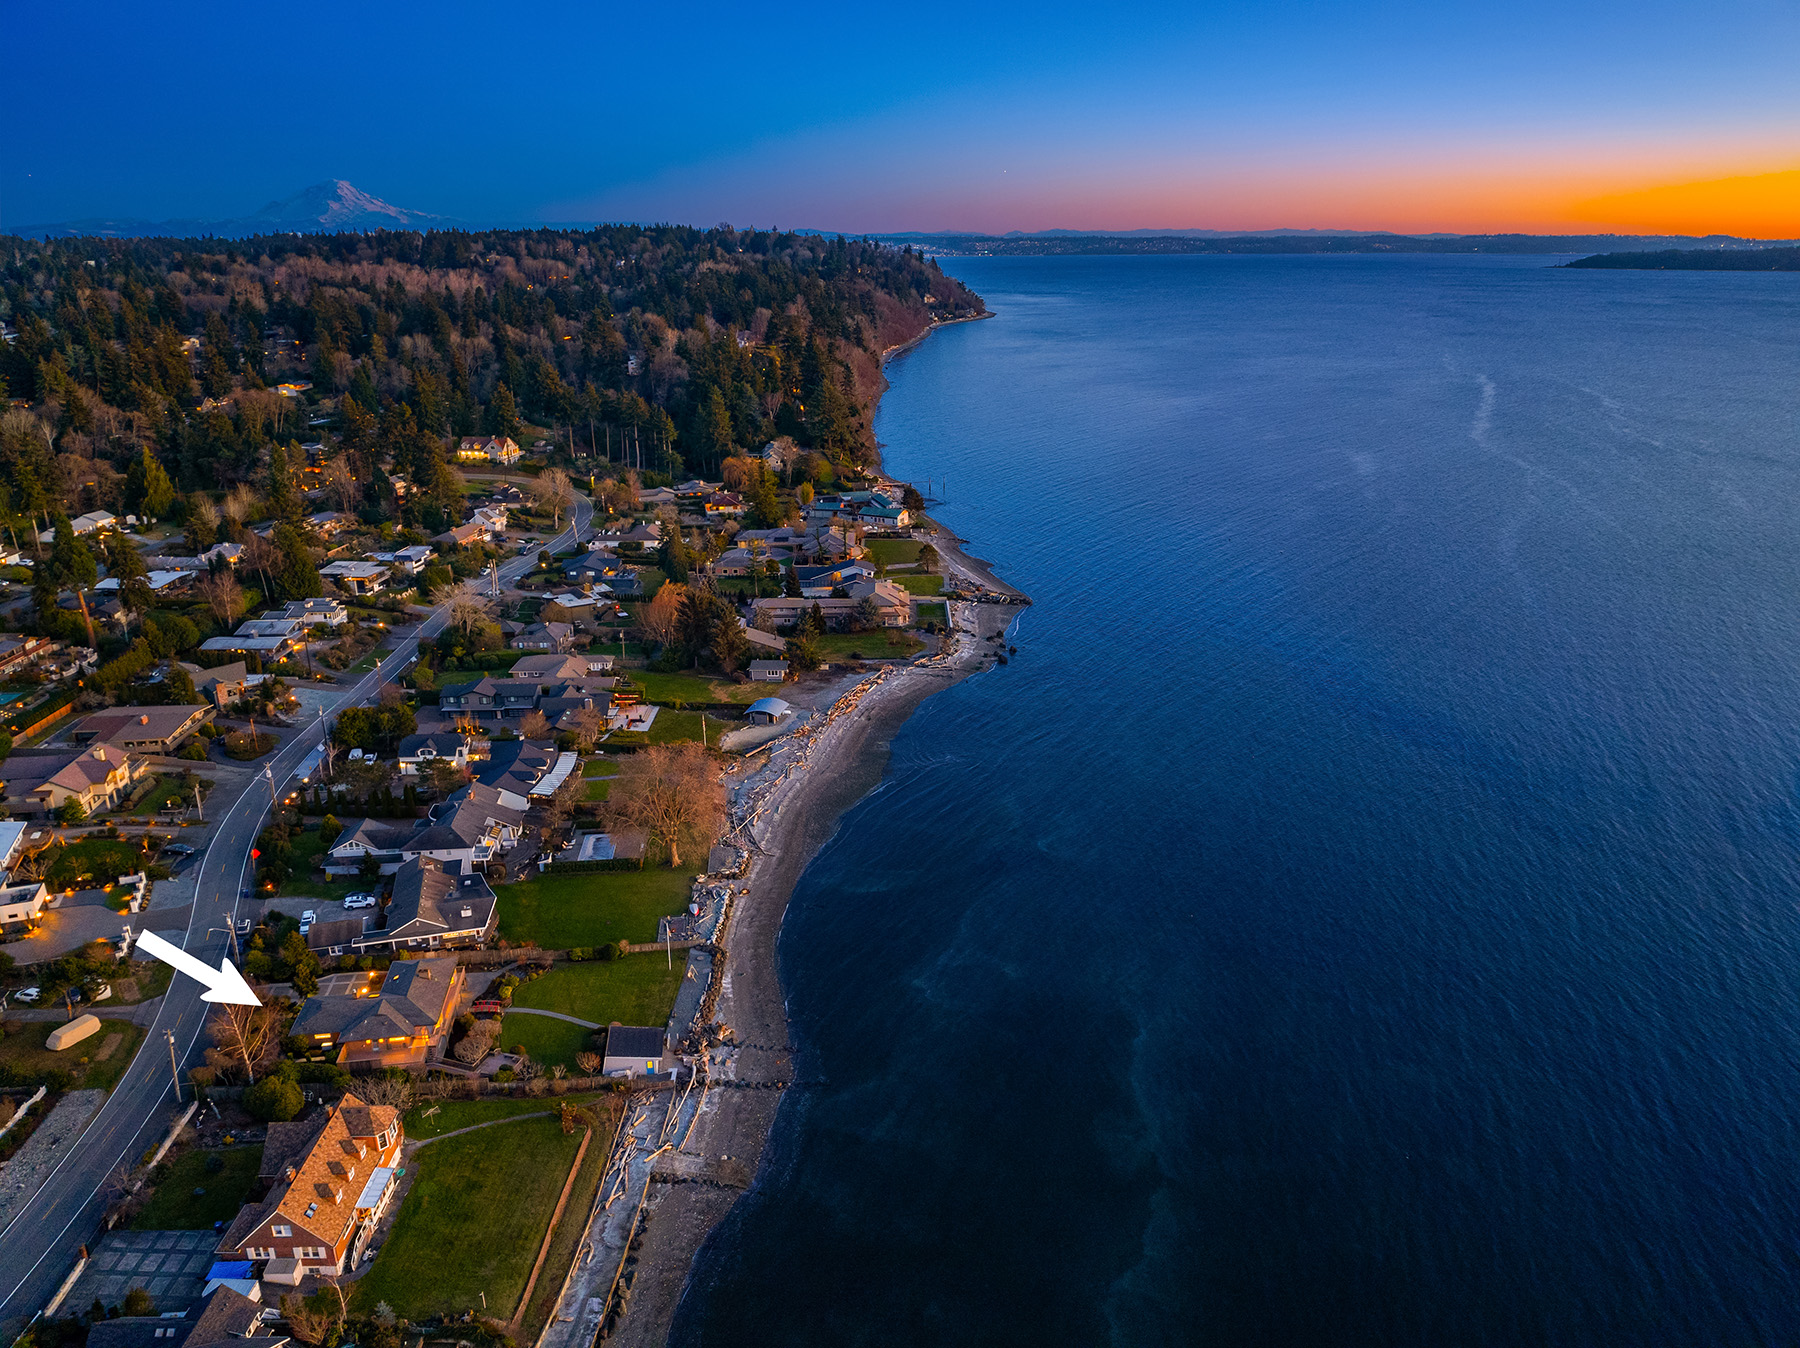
(174, 1072)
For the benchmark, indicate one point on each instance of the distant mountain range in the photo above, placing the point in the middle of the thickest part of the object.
(324, 208)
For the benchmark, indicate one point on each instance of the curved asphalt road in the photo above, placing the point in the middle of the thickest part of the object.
(41, 1244)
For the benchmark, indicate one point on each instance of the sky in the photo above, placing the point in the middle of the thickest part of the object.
(1580, 116)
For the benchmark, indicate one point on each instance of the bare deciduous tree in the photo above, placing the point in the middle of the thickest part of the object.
(245, 1038)
(466, 611)
(239, 502)
(395, 1091)
(661, 617)
(341, 484)
(534, 726)
(588, 725)
(554, 492)
(223, 595)
(672, 792)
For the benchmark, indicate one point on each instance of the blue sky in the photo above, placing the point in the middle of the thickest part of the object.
(869, 118)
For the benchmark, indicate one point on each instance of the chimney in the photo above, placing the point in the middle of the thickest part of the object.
(292, 1174)
(144, 720)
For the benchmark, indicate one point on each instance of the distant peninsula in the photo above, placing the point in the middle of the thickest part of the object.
(1062, 242)
(1697, 259)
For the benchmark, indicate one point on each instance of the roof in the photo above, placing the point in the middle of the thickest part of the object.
(321, 1197)
(341, 932)
(444, 744)
(72, 770)
(411, 998)
(429, 899)
(134, 724)
(287, 1143)
(226, 1316)
(634, 1041)
(550, 666)
(770, 706)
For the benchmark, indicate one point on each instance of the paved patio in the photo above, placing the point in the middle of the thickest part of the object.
(170, 1265)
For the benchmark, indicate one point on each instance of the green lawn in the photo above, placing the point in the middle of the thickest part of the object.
(598, 789)
(94, 862)
(472, 1223)
(25, 1051)
(636, 990)
(564, 1243)
(303, 883)
(665, 689)
(674, 727)
(887, 644)
(369, 661)
(593, 908)
(934, 613)
(548, 1041)
(889, 551)
(599, 767)
(455, 1114)
(919, 584)
(175, 1206)
(168, 791)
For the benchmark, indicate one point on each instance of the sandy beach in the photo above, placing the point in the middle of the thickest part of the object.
(797, 808)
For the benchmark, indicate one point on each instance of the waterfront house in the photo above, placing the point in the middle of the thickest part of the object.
(335, 1179)
(633, 1050)
(146, 730)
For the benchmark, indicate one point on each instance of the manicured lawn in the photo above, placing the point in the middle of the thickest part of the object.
(562, 911)
(888, 551)
(636, 990)
(599, 767)
(93, 862)
(598, 790)
(934, 613)
(473, 1221)
(369, 661)
(887, 644)
(919, 584)
(455, 1114)
(675, 727)
(304, 883)
(176, 1207)
(547, 1040)
(666, 689)
(26, 1052)
(569, 1232)
(169, 791)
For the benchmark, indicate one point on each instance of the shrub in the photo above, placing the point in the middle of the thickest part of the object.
(194, 751)
(137, 1302)
(273, 1100)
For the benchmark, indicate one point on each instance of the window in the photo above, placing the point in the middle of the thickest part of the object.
(281, 1230)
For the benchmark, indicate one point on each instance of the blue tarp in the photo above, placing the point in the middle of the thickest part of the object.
(230, 1268)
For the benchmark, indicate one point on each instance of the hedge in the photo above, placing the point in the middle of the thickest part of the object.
(587, 867)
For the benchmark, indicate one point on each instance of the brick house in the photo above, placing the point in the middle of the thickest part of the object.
(332, 1178)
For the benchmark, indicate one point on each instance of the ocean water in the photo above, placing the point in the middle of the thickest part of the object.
(1367, 910)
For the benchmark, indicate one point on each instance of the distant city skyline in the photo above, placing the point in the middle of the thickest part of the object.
(1660, 118)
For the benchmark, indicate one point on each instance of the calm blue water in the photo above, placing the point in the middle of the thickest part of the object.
(1368, 909)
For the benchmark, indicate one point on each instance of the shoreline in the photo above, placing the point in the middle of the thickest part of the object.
(783, 815)
(722, 1156)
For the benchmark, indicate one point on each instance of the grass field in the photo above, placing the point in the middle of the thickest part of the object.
(546, 1040)
(473, 1222)
(25, 1051)
(598, 788)
(665, 689)
(561, 911)
(94, 862)
(919, 584)
(569, 1232)
(934, 613)
(599, 767)
(887, 644)
(675, 727)
(455, 1114)
(636, 990)
(889, 551)
(175, 1206)
(303, 883)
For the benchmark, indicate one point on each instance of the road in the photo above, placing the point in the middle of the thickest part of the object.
(41, 1244)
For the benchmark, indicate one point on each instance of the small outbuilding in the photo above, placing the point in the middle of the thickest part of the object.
(768, 711)
(67, 1036)
(768, 671)
(633, 1050)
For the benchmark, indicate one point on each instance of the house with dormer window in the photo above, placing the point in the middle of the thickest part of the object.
(336, 1176)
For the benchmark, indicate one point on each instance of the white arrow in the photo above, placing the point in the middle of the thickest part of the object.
(224, 984)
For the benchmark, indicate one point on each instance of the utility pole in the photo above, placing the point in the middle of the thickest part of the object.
(197, 810)
(269, 773)
(174, 1072)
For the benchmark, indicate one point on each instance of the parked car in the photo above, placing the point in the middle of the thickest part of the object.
(27, 994)
(179, 849)
(99, 992)
(309, 917)
(358, 901)
(244, 925)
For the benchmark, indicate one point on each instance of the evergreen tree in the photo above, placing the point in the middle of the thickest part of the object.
(284, 501)
(503, 413)
(148, 490)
